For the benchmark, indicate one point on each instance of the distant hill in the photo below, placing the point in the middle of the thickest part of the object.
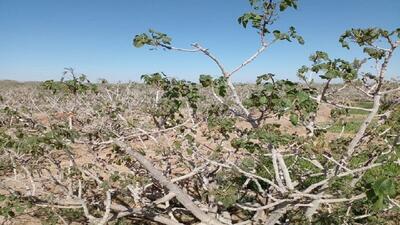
(13, 83)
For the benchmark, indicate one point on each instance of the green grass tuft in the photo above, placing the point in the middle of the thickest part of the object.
(350, 127)
(362, 104)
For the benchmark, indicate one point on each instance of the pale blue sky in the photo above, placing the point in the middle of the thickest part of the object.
(39, 38)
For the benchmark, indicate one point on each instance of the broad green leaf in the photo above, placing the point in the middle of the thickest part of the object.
(383, 187)
(263, 100)
(294, 119)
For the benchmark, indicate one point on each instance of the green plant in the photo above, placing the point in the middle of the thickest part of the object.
(77, 84)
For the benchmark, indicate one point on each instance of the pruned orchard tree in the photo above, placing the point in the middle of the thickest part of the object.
(177, 152)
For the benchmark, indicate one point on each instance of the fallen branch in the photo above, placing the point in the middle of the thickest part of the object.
(181, 196)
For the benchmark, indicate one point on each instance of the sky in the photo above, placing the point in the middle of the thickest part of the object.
(38, 39)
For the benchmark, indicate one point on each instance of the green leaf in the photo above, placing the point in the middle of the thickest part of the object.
(287, 3)
(205, 80)
(294, 119)
(153, 38)
(263, 100)
(300, 40)
(283, 6)
(19, 209)
(384, 187)
(140, 40)
(374, 53)
(265, 77)
(277, 34)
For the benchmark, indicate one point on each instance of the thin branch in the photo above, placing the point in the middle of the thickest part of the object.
(169, 47)
(390, 91)
(285, 172)
(269, 206)
(212, 57)
(107, 203)
(249, 60)
(346, 107)
(337, 200)
(276, 169)
(393, 202)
